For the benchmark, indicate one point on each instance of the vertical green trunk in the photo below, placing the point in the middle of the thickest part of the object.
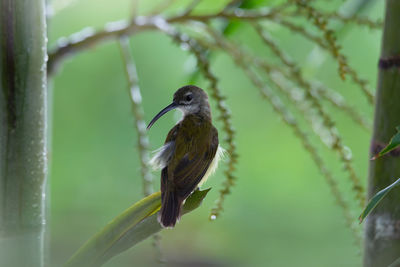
(382, 235)
(23, 132)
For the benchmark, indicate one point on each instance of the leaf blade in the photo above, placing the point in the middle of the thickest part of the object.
(376, 199)
(395, 263)
(126, 230)
(393, 144)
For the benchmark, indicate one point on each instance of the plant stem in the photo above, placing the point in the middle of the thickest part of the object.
(382, 235)
(138, 115)
(23, 132)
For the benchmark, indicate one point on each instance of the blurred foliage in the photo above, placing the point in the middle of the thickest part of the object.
(288, 52)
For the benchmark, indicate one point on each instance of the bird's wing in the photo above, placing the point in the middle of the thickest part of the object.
(186, 173)
(172, 133)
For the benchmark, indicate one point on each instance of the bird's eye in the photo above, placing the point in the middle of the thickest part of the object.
(189, 98)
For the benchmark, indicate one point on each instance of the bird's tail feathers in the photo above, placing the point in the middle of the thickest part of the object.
(170, 211)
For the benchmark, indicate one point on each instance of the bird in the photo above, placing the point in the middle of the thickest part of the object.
(190, 153)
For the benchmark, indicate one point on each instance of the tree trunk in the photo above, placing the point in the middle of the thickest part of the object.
(382, 235)
(23, 132)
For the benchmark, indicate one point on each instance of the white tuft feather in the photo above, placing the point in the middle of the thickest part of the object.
(162, 156)
(214, 164)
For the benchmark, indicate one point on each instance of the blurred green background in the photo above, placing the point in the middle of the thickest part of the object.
(280, 213)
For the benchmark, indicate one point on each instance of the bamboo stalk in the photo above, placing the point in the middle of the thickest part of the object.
(23, 132)
(382, 235)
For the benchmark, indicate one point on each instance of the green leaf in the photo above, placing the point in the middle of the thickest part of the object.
(376, 199)
(395, 263)
(393, 144)
(129, 228)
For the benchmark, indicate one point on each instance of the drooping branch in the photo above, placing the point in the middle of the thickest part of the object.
(362, 21)
(290, 120)
(355, 19)
(88, 37)
(321, 23)
(338, 101)
(335, 141)
(362, 83)
(331, 96)
(327, 122)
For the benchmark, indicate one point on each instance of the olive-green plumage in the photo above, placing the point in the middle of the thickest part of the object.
(188, 152)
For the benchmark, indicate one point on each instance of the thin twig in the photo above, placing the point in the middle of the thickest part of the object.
(337, 100)
(363, 84)
(295, 74)
(321, 23)
(290, 120)
(355, 19)
(140, 125)
(138, 114)
(335, 141)
(157, 247)
(361, 21)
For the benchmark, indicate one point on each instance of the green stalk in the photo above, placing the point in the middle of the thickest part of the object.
(23, 132)
(382, 235)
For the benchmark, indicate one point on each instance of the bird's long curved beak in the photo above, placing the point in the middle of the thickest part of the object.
(162, 112)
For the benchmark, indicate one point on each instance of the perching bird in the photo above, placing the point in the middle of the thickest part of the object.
(190, 152)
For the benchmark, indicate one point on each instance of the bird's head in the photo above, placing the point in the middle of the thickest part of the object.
(189, 99)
